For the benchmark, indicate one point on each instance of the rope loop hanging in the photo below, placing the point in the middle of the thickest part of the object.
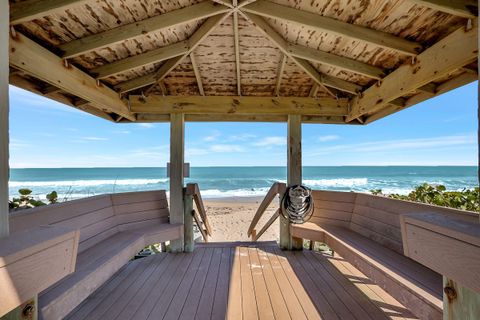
(297, 204)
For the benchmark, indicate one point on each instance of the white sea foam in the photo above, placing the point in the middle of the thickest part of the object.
(215, 193)
(85, 183)
(341, 182)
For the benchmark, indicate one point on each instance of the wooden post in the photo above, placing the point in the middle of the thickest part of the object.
(294, 176)
(188, 235)
(4, 112)
(177, 139)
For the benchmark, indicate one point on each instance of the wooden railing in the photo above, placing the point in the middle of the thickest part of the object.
(276, 189)
(200, 215)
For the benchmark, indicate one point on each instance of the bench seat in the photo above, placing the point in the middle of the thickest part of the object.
(413, 285)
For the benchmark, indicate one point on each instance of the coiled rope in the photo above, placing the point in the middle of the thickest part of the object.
(297, 204)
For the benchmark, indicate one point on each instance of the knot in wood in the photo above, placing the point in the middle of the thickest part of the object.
(450, 292)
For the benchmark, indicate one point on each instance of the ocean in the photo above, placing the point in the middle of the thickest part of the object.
(218, 182)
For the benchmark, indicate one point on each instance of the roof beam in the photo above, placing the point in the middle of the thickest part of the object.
(460, 8)
(196, 71)
(322, 79)
(435, 62)
(335, 61)
(340, 28)
(238, 105)
(37, 61)
(33, 9)
(140, 60)
(153, 78)
(237, 50)
(281, 68)
(147, 117)
(167, 20)
(449, 85)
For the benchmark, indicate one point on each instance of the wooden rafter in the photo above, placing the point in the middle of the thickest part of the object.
(196, 71)
(340, 28)
(313, 91)
(449, 85)
(281, 68)
(238, 105)
(460, 8)
(37, 61)
(33, 9)
(437, 61)
(321, 79)
(237, 50)
(335, 61)
(225, 3)
(140, 60)
(151, 79)
(148, 117)
(167, 20)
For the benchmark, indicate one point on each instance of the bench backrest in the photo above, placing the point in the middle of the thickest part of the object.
(375, 217)
(97, 217)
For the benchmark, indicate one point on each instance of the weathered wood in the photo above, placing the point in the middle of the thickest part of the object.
(294, 175)
(238, 105)
(4, 118)
(381, 39)
(33, 9)
(281, 67)
(140, 60)
(35, 60)
(199, 223)
(448, 246)
(198, 76)
(188, 236)
(33, 260)
(464, 305)
(237, 52)
(267, 200)
(194, 190)
(177, 154)
(435, 62)
(460, 8)
(321, 79)
(267, 225)
(195, 39)
(188, 14)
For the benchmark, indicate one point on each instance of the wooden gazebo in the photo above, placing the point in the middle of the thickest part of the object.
(319, 61)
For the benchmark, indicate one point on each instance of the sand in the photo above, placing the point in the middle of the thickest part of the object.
(231, 217)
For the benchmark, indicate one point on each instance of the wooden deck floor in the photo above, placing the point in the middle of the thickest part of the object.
(240, 281)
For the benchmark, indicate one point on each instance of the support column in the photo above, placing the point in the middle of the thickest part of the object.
(294, 176)
(4, 113)
(177, 141)
(188, 234)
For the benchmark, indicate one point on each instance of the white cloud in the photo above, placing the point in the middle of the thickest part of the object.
(196, 152)
(327, 138)
(121, 132)
(271, 141)
(95, 139)
(213, 136)
(146, 125)
(241, 137)
(225, 148)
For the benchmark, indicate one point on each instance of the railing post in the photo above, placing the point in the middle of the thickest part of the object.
(177, 140)
(188, 236)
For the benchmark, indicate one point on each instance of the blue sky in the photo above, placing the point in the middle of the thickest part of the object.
(440, 131)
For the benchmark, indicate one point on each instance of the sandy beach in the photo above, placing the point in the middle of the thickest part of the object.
(231, 217)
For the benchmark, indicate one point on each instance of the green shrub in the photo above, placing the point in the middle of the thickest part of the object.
(467, 199)
(25, 200)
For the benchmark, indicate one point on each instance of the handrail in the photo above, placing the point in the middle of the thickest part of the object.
(200, 216)
(276, 188)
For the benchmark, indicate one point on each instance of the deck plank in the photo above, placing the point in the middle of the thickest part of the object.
(240, 281)
(278, 302)
(219, 309)
(292, 302)
(264, 303)
(193, 297)
(176, 281)
(137, 302)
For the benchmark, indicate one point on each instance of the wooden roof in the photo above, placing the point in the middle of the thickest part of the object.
(333, 61)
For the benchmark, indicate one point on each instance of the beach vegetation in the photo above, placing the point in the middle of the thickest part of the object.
(25, 200)
(466, 199)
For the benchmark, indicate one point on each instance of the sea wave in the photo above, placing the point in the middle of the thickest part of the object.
(341, 182)
(85, 183)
